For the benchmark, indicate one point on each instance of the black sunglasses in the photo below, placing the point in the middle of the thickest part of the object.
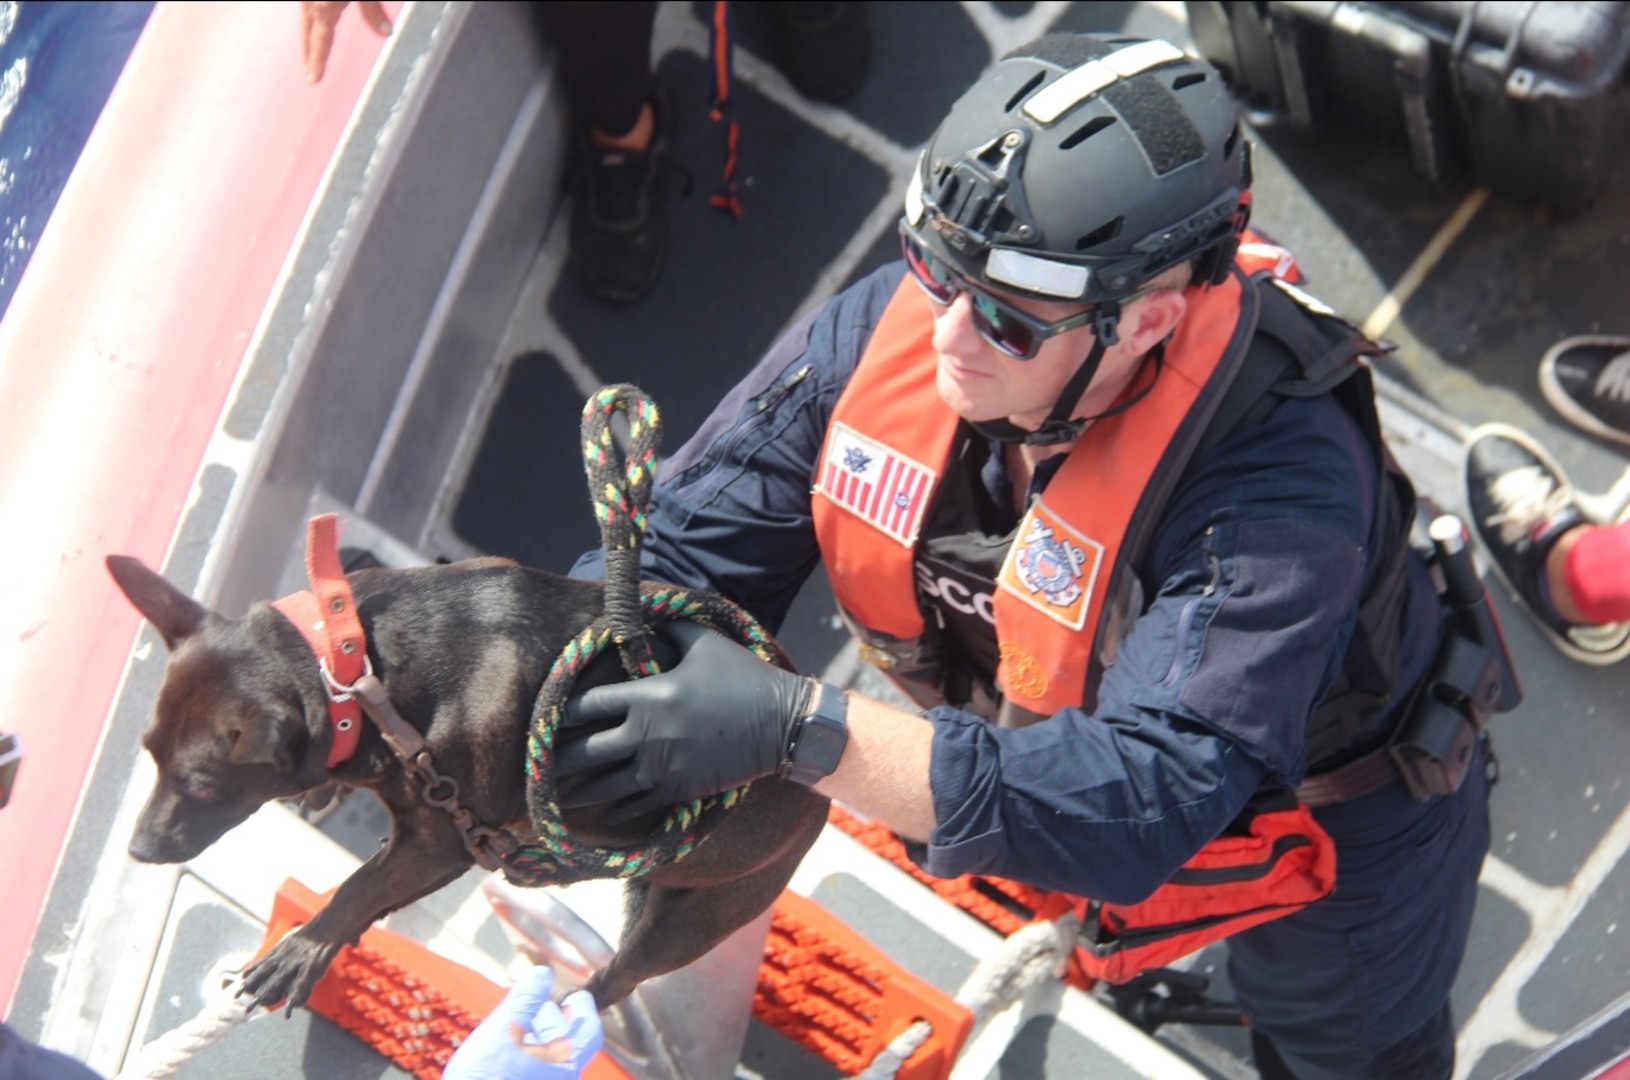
(1017, 333)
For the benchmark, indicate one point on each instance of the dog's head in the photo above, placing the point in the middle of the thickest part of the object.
(231, 729)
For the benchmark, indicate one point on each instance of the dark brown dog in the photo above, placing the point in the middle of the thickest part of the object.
(462, 650)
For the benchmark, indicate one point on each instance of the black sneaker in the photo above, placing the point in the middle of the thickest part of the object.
(1520, 502)
(619, 235)
(824, 49)
(1587, 380)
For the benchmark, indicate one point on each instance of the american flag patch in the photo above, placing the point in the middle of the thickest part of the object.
(880, 486)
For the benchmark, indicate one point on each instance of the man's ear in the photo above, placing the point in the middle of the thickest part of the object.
(1149, 320)
(172, 612)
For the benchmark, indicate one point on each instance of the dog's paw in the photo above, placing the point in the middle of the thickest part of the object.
(288, 973)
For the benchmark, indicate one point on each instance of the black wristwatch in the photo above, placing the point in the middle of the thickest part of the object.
(818, 740)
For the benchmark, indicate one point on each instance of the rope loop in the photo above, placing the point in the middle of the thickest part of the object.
(620, 495)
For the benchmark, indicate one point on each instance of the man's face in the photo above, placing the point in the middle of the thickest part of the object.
(981, 382)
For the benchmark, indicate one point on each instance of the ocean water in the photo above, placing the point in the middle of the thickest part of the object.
(58, 63)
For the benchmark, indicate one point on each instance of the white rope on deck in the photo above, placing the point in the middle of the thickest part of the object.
(167, 1054)
(1031, 956)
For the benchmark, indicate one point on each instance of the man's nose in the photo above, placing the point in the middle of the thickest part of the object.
(954, 331)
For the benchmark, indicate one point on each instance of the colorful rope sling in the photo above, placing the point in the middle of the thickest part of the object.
(631, 610)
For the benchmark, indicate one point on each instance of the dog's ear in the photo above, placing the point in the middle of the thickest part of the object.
(273, 743)
(172, 612)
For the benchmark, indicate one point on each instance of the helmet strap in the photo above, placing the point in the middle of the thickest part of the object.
(1058, 427)
(1061, 426)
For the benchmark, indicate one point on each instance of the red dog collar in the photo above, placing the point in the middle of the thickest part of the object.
(327, 617)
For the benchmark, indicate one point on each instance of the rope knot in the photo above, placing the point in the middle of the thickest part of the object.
(620, 495)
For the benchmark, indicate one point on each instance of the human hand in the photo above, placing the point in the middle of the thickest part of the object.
(317, 21)
(529, 1037)
(719, 719)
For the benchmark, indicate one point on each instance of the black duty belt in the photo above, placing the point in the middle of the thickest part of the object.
(1472, 676)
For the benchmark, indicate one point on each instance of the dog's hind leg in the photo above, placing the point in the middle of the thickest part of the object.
(677, 926)
(672, 925)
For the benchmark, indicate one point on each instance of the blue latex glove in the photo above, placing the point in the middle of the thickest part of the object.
(528, 1037)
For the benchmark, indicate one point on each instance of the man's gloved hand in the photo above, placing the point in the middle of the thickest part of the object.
(719, 719)
(529, 1037)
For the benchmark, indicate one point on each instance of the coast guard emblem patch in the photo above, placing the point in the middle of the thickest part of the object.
(879, 485)
(1052, 567)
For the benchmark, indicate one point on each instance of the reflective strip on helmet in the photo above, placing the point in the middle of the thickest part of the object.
(1037, 275)
(914, 193)
(1079, 84)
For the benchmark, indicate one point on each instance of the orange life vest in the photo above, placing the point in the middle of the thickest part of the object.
(1059, 604)
(1074, 542)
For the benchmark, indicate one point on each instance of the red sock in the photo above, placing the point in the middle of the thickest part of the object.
(1597, 573)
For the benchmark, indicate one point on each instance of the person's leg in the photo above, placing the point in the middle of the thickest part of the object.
(1521, 506)
(1427, 1053)
(1357, 986)
(824, 47)
(1589, 573)
(1269, 1065)
(618, 231)
(604, 53)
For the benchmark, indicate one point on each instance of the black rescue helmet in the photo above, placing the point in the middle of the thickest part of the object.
(1083, 165)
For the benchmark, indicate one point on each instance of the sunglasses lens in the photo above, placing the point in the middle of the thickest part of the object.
(996, 322)
(1001, 329)
(932, 274)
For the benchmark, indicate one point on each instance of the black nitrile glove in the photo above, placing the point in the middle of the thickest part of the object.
(719, 719)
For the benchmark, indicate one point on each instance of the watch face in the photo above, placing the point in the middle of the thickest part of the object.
(821, 738)
(821, 744)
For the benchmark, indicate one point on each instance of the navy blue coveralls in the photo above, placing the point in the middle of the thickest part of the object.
(1207, 700)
